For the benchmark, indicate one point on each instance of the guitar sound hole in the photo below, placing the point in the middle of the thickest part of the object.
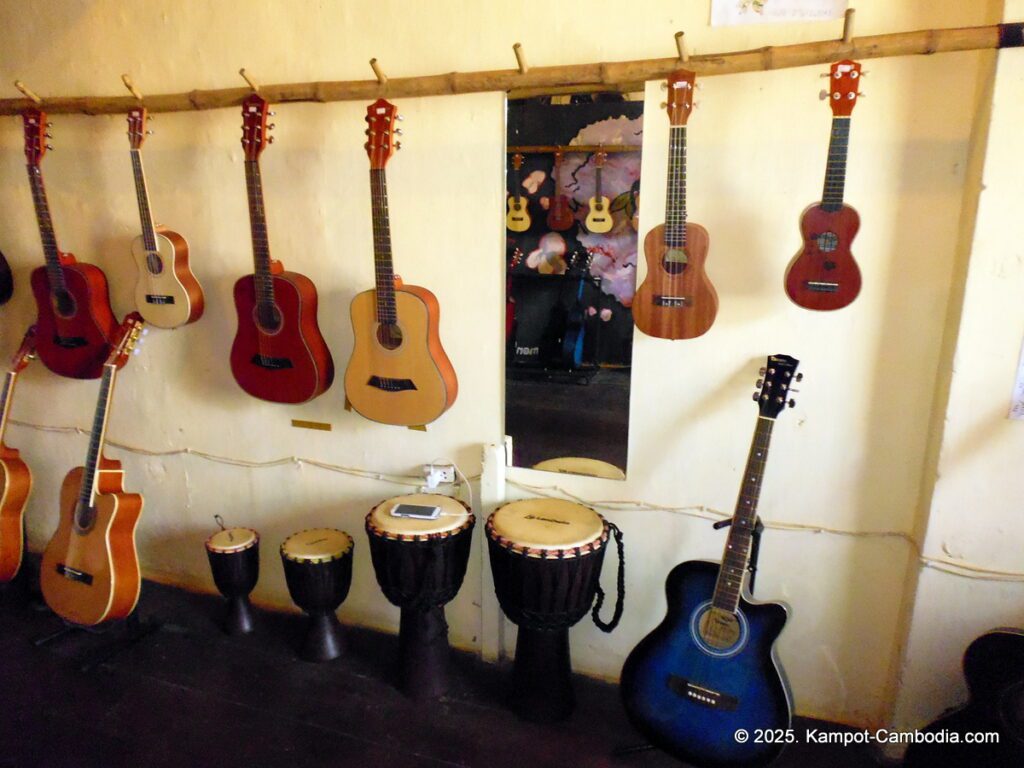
(154, 263)
(517, 207)
(63, 303)
(828, 242)
(268, 318)
(719, 629)
(389, 335)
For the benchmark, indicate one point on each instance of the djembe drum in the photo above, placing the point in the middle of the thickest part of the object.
(420, 565)
(318, 569)
(235, 562)
(546, 557)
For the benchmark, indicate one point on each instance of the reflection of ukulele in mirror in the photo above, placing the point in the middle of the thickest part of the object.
(167, 294)
(560, 216)
(518, 217)
(399, 372)
(676, 299)
(824, 275)
(599, 217)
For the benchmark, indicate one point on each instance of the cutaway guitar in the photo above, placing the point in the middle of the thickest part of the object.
(15, 476)
(75, 323)
(399, 372)
(90, 569)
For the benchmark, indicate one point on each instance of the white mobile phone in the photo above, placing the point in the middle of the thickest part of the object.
(419, 511)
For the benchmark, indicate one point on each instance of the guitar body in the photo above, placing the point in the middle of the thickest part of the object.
(6, 280)
(599, 216)
(676, 300)
(172, 296)
(74, 344)
(690, 702)
(824, 274)
(15, 485)
(518, 217)
(291, 364)
(103, 558)
(560, 216)
(412, 384)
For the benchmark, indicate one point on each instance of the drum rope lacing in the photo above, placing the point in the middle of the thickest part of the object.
(620, 600)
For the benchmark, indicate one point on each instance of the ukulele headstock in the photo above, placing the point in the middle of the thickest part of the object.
(381, 144)
(137, 132)
(680, 96)
(843, 81)
(517, 161)
(26, 352)
(599, 158)
(131, 330)
(778, 376)
(255, 131)
(34, 121)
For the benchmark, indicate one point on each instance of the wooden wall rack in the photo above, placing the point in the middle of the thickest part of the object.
(525, 81)
(569, 149)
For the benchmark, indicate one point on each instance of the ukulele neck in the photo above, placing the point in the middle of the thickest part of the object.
(597, 191)
(142, 197)
(383, 266)
(260, 241)
(835, 168)
(50, 250)
(675, 198)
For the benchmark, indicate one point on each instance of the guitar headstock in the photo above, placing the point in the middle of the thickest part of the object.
(381, 145)
(26, 352)
(137, 127)
(128, 337)
(778, 376)
(35, 124)
(517, 161)
(680, 96)
(843, 82)
(255, 131)
(599, 158)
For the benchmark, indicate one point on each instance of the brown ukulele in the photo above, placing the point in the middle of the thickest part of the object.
(15, 477)
(560, 216)
(399, 372)
(676, 299)
(824, 274)
(90, 569)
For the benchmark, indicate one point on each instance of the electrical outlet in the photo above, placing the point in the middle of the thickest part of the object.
(436, 474)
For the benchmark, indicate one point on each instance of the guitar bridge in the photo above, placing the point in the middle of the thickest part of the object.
(153, 298)
(701, 695)
(391, 385)
(74, 574)
(821, 286)
(271, 363)
(673, 301)
(69, 342)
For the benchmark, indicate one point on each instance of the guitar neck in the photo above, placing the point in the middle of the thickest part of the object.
(383, 266)
(50, 250)
(5, 401)
(597, 192)
(142, 195)
(675, 198)
(96, 438)
(258, 227)
(835, 168)
(518, 185)
(741, 531)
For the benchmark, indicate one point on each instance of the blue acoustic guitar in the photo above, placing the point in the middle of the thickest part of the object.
(709, 670)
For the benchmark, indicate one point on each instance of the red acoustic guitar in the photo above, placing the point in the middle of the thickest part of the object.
(15, 477)
(278, 353)
(75, 323)
(824, 275)
(560, 216)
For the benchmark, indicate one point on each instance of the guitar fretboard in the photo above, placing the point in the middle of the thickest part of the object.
(260, 241)
(96, 437)
(737, 547)
(835, 168)
(142, 196)
(383, 266)
(50, 251)
(5, 402)
(675, 197)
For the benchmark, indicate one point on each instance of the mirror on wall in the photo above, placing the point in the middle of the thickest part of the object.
(573, 193)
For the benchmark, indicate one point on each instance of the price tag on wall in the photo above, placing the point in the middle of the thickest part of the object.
(727, 13)
(1017, 402)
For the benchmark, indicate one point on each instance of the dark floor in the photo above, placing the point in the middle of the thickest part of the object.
(190, 696)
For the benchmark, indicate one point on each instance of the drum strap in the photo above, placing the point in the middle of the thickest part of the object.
(621, 582)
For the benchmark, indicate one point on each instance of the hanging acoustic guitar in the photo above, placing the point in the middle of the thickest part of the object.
(560, 216)
(518, 217)
(824, 274)
(676, 299)
(709, 669)
(278, 353)
(15, 476)
(75, 323)
(399, 372)
(90, 569)
(599, 215)
(167, 294)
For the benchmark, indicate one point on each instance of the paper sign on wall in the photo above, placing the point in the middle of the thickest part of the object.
(728, 13)
(1017, 401)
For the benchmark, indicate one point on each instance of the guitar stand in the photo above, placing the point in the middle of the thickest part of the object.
(132, 631)
(755, 548)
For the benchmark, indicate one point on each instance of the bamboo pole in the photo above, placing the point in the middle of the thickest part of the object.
(594, 77)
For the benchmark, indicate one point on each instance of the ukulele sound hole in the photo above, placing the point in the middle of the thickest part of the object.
(389, 335)
(154, 263)
(674, 261)
(828, 242)
(63, 303)
(268, 318)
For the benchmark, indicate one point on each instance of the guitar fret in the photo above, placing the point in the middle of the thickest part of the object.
(382, 263)
(96, 436)
(262, 277)
(51, 253)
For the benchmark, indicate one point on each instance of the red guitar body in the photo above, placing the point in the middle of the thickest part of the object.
(78, 344)
(292, 364)
(824, 274)
(560, 216)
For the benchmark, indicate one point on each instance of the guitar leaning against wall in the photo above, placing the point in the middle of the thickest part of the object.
(399, 372)
(709, 669)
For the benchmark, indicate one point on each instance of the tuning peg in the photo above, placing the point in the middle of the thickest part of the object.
(762, 370)
(149, 118)
(822, 94)
(50, 147)
(759, 383)
(794, 390)
(271, 127)
(400, 117)
(271, 113)
(270, 140)
(799, 377)
(149, 133)
(754, 397)
(663, 104)
(861, 94)
(398, 145)
(49, 125)
(145, 331)
(48, 135)
(791, 403)
(695, 104)
(664, 85)
(398, 131)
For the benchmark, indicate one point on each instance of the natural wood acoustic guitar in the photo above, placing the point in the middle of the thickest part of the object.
(599, 215)
(518, 217)
(75, 322)
(167, 294)
(90, 568)
(824, 274)
(278, 353)
(399, 372)
(15, 476)
(676, 299)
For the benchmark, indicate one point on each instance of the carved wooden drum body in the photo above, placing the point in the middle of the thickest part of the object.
(234, 555)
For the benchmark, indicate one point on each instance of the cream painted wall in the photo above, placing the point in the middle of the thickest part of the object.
(850, 457)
